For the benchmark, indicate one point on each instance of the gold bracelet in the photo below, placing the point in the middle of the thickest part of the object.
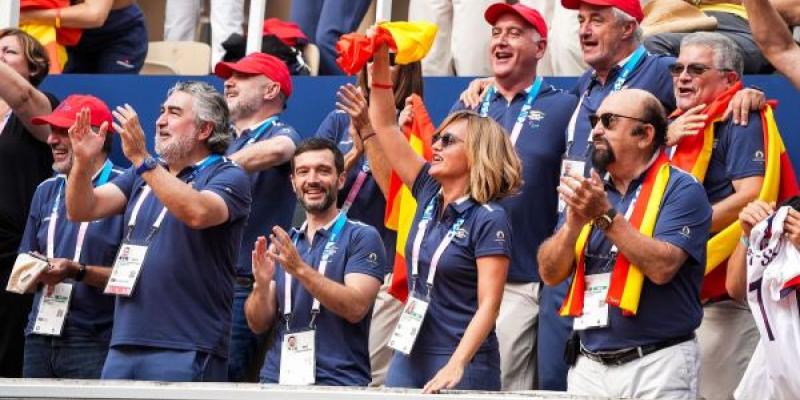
(58, 18)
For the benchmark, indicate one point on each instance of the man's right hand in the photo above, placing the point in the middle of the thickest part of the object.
(263, 266)
(86, 144)
(687, 124)
(754, 213)
(472, 95)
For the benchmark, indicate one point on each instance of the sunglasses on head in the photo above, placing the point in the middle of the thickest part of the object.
(694, 70)
(609, 119)
(447, 139)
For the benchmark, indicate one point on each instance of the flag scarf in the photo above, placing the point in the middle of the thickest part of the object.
(625, 287)
(693, 154)
(410, 40)
(400, 204)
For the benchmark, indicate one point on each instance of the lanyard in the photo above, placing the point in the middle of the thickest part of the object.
(210, 160)
(357, 184)
(427, 216)
(627, 69)
(533, 91)
(105, 174)
(261, 129)
(323, 265)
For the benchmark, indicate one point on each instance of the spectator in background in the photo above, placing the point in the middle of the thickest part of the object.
(349, 127)
(182, 16)
(114, 38)
(80, 254)
(25, 161)
(774, 38)
(324, 21)
(257, 88)
(172, 320)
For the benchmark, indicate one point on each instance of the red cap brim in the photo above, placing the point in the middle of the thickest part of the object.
(57, 120)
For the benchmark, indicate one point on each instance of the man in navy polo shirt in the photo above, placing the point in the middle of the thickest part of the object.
(256, 90)
(535, 115)
(708, 70)
(185, 215)
(648, 350)
(76, 344)
(316, 285)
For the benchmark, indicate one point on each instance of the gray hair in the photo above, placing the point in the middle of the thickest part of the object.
(727, 54)
(209, 106)
(622, 17)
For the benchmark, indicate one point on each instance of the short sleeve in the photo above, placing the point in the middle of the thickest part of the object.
(492, 229)
(745, 149)
(457, 106)
(29, 241)
(232, 184)
(685, 216)
(365, 253)
(424, 185)
(285, 130)
(125, 181)
(333, 125)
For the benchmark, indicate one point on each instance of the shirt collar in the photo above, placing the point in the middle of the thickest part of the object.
(255, 126)
(616, 68)
(323, 230)
(609, 182)
(461, 204)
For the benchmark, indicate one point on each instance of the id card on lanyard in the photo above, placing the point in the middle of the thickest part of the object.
(533, 92)
(131, 255)
(53, 308)
(298, 350)
(408, 326)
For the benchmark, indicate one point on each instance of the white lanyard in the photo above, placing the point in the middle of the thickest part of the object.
(533, 92)
(357, 184)
(323, 265)
(427, 216)
(135, 214)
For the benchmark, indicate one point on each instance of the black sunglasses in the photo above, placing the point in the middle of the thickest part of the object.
(609, 119)
(446, 138)
(694, 70)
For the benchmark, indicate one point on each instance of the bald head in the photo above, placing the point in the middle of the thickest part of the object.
(642, 105)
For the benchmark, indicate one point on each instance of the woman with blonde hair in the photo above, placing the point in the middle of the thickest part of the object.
(458, 248)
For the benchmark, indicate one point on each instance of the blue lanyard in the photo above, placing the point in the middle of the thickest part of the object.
(209, 161)
(261, 129)
(628, 67)
(533, 92)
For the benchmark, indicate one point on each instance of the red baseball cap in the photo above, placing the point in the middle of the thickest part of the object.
(631, 7)
(64, 115)
(258, 64)
(528, 14)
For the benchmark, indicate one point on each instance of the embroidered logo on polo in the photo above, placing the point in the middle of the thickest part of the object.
(372, 258)
(758, 156)
(462, 233)
(686, 232)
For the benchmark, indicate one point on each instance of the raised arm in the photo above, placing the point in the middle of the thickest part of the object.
(24, 100)
(264, 154)
(88, 14)
(260, 307)
(382, 115)
(774, 39)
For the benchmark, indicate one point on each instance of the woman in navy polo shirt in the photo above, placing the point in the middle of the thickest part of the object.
(458, 247)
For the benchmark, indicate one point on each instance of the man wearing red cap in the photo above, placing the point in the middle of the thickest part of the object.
(256, 90)
(73, 343)
(535, 114)
(185, 215)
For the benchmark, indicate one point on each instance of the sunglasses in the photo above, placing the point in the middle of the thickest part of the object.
(446, 138)
(694, 70)
(609, 119)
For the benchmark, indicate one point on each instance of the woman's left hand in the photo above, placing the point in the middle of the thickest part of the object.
(447, 378)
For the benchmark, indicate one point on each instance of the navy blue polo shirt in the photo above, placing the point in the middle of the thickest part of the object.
(369, 206)
(454, 298)
(89, 310)
(273, 198)
(342, 347)
(184, 294)
(665, 311)
(540, 146)
(651, 74)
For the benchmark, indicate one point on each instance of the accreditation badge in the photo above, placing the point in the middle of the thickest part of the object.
(53, 310)
(126, 269)
(595, 308)
(408, 326)
(571, 165)
(298, 358)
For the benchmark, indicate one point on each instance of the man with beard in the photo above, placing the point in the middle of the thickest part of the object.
(256, 90)
(634, 244)
(74, 344)
(185, 214)
(317, 284)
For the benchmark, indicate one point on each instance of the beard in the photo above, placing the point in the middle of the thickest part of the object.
(328, 200)
(602, 158)
(244, 105)
(175, 148)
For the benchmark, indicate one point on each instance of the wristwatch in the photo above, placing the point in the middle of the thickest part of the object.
(148, 164)
(81, 272)
(604, 220)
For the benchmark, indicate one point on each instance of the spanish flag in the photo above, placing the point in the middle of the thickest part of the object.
(53, 39)
(693, 154)
(410, 41)
(625, 288)
(400, 204)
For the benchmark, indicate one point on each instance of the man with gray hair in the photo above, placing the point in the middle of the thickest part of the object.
(174, 290)
(730, 161)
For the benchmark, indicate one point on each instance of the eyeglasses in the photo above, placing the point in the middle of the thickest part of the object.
(694, 70)
(609, 119)
(446, 138)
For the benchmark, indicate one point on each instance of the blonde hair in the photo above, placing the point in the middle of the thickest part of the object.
(495, 170)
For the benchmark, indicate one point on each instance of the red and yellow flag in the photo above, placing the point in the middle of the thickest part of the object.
(625, 288)
(411, 41)
(400, 204)
(693, 154)
(53, 39)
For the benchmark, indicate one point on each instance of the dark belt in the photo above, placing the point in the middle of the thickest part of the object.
(246, 281)
(620, 357)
